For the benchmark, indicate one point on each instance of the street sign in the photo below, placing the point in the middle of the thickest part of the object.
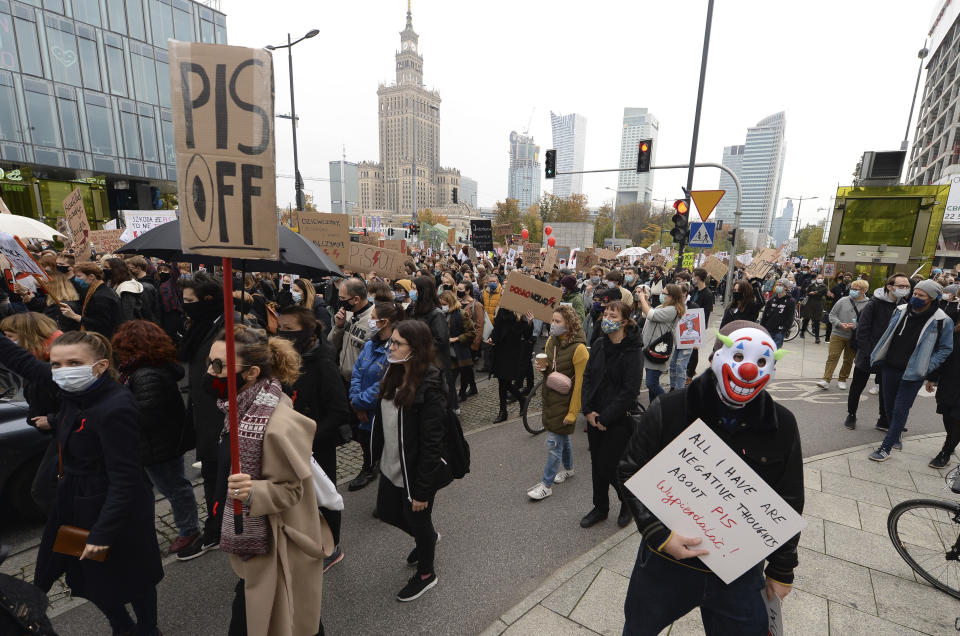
(706, 201)
(701, 234)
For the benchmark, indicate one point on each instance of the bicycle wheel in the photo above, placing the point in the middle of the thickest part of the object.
(533, 424)
(926, 533)
(793, 332)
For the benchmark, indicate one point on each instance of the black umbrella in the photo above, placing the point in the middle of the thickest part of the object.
(297, 254)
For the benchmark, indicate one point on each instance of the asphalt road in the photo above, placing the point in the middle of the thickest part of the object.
(497, 546)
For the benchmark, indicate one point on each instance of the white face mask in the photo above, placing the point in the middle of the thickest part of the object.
(74, 379)
(373, 325)
(297, 296)
(393, 360)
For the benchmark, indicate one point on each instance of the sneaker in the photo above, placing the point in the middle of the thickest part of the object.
(898, 445)
(563, 476)
(197, 548)
(415, 587)
(842, 385)
(940, 461)
(851, 421)
(414, 557)
(539, 492)
(874, 390)
(879, 455)
(823, 384)
(882, 426)
(333, 559)
(181, 542)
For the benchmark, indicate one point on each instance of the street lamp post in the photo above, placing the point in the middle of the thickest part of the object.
(613, 235)
(297, 179)
(801, 199)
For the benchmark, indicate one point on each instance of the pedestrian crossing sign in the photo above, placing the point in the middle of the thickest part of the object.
(701, 234)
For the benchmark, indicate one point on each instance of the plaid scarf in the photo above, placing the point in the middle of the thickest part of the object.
(255, 406)
(170, 295)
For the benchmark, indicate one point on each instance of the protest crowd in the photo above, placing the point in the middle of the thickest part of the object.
(123, 361)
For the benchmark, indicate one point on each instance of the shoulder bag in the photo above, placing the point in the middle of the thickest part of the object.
(661, 349)
(556, 381)
(72, 540)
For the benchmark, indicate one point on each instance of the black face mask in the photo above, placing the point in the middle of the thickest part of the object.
(300, 339)
(203, 310)
(448, 287)
(63, 269)
(217, 386)
(461, 294)
(345, 305)
(738, 295)
(163, 276)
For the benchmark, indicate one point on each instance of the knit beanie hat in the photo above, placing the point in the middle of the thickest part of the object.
(569, 283)
(930, 288)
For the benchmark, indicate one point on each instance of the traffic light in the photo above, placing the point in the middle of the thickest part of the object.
(643, 155)
(681, 226)
(551, 164)
(455, 195)
(732, 237)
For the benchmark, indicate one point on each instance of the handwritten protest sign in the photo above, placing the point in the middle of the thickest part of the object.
(397, 245)
(222, 99)
(606, 255)
(586, 259)
(373, 258)
(329, 232)
(370, 238)
(76, 216)
(451, 236)
(699, 487)
(522, 293)
(140, 221)
(18, 256)
(481, 234)
(715, 268)
(550, 258)
(504, 229)
(689, 331)
(107, 241)
(531, 253)
(829, 270)
(774, 614)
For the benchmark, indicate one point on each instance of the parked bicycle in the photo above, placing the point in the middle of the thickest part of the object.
(926, 533)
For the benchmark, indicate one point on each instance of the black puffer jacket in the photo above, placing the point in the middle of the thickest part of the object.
(613, 377)
(422, 428)
(765, 433)
(163, 415)
(437, 321)
(320, 395)
(873, 322)
(947, 378)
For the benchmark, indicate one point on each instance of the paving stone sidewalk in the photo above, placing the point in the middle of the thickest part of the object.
(850, 579)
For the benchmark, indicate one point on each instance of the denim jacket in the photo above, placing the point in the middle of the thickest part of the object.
(933, 347)
(368, 370)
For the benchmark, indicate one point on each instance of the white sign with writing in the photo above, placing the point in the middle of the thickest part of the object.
(140, 221)
(699, 487)
(20, 260)
(689, 332)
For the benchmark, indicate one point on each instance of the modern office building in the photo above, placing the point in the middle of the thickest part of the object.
(468, 192)
(782, 227)
(570, 141)
(634, 187)
(523, 177)
(85, 101)
(344, 178)
(732, 159)
(409, 128)
(761, 169)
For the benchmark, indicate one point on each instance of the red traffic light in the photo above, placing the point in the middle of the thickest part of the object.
(644, 147)
(680, 206)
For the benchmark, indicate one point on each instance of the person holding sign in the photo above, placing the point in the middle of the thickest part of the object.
(668, 579)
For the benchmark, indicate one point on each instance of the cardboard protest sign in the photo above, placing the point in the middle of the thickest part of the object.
(329, 232)
(522, 293)
(531, 253)
(370, 238)
(107, 241)
(586, 259)
(393, 244)
(689, 331)
(606, 255)
(64, 229)
(373, 258)
(700, 487)
(451, 236)
(3, 207)
(140, 221)
(550, 258)
(481, 234)
(503, 229)
(715, 268)
(20, 260)
(222, 99)
(758, 268)
(829, 270)
(76, 216)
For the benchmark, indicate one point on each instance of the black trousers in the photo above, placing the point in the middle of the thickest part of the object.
(829, 328)
(238, 612)
(451, 377)
(857, 385)
(952, 427)
(506, 387)
(692, 363)
(606, 448)
(816, 328)
(326, 456)
(467, 378)
(394, 508)
(145, 607)
(215, 475)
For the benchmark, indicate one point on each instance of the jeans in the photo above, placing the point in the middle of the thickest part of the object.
(839, 345)
(778, 339)
(559, 452)
(606, 447)
(661, 591)
(168, 477)
(145, 607)
(394, 508)
(898, 396)
(678, 368)
(653, 383)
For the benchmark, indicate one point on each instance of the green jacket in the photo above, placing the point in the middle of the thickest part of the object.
(571, 359)
(575, 299)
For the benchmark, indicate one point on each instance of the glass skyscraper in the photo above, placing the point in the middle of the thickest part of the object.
(85, 101)
(633, 186)
(523, 178)
(570, 141)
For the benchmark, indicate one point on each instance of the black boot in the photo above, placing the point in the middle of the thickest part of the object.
(593, 517)
(941, 460)
(462, 395)
(851, 421)
(502, 416)
(472, 389)
(624, 518)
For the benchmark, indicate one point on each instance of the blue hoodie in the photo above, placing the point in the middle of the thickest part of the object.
(368, 370)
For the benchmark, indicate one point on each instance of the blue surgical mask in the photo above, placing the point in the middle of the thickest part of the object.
(297, 295)
(854, 293)
(81, 281)
(413, 295)
(917, 303)
(663, 298)
(492, 287)
(778, 289)
(628, 279)
(609, 326)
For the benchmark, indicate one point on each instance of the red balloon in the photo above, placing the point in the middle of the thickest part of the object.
(548, 230)
(525, 234)
(551, 241)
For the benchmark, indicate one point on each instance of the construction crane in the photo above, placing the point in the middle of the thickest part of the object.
(530, 121)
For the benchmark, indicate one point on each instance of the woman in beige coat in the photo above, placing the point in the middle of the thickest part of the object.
(279, 556)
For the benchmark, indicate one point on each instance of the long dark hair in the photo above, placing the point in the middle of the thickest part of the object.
(426, 296)
(745, 288)
(401, 381)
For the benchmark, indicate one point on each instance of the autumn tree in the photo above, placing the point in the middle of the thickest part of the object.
(532, 221)
(810, 242)
(571, 209)
(432, 218)
(508, 212)
(603, 226)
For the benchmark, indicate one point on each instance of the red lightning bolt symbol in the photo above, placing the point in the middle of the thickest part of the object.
(376, 257)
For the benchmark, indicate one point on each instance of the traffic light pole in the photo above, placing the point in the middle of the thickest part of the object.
(736, 215)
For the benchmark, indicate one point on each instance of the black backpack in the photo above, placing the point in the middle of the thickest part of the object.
(456, 449)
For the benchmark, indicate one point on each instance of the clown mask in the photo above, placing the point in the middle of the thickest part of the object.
(744, 365)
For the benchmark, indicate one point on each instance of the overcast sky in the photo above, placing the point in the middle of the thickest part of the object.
(843, 70)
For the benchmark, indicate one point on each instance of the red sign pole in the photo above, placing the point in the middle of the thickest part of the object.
(232, 386)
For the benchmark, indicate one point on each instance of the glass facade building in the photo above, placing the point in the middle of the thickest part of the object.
(85, 99)
(633, 186)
